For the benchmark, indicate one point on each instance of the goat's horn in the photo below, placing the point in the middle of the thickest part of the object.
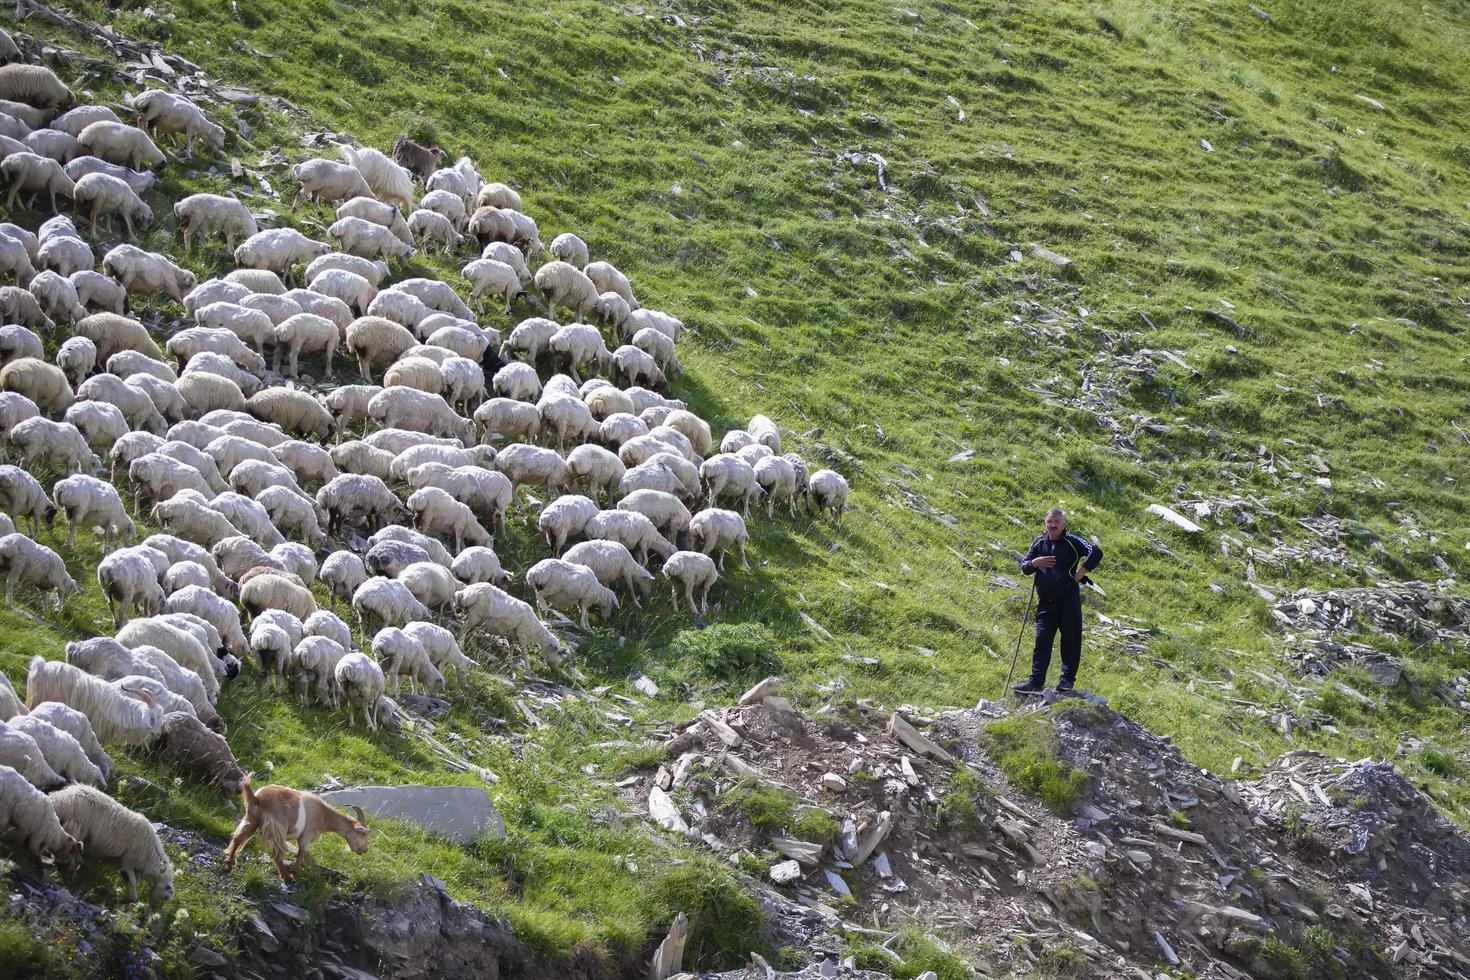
(361, 817)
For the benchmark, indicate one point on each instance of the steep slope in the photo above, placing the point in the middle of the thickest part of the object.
(845, 200)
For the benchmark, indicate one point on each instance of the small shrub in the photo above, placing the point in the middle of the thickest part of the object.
(24, 956)
(724, 920)
(959, 811)
(1061, 962)
(728, 652)
(1440, 763)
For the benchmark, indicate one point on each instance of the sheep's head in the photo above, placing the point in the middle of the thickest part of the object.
(50, 514)
(163, 882)
(68, 852)
(357, 835)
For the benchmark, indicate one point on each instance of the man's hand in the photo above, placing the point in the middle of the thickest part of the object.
(1045, 561)
(1081, 574)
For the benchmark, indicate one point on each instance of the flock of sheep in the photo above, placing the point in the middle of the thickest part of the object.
(250, 475)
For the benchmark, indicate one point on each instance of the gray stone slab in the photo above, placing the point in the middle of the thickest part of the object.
(460, 813)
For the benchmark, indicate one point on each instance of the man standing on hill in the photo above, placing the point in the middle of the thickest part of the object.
(1060, 562)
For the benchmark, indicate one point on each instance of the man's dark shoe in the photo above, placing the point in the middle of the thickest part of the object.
(1065, 685)
(1030, 687)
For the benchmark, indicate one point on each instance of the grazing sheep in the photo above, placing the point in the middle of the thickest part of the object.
(17, 342)
(604, 401)
(563, 585)
(716, 531)
(35, 85)
(22, 496)
(697, 573)
(371, 271)
(420, 411)
(480, 564)
(209, 392)
(20, 752)
(294, 410)
(121, 144)
(386, 602)
(508, 417)
(495, 278)
(328, 181)
(437, 512)
(62, 751)
(111, 660)
(620, 428)
(10, 706)
(565, 518)
(343, 572)
(40, 442)
(105, 195)
(665, 510)
(517, 380)
(109, 831)
(484, 606)
(431, 583)
(133, 401)
(199, 460)
(397, 532)
(375, 339)
(186, 573)
(32, 174)
(447, 204)
(74, 723)
(19, 306)
(59, 146)
(28, 818)
(327, 307)
(16, 260)
(279, 250)
(399, 307)
(400, 654)
(608, 279)
(25, 562)
(529, 338)
(272, 646)
(379, 213)
(188, 744)
(298, 559)
(827, 490)
(166, 112)
(362, 685)
(441, 647)
(113, 715)
(566, 287)
(361, 458)
(777, 477)
(73, 121)
(430, 228)
(579, 344)
(388, 558)
(464, 382)
(311, 464)
(257, 281)
(367, 239)
(280, 815)
(217, 612)
(188, 343)
(595, 469)
(346, 287)
(351, 497)
(612, 563)
(77, 356)
(419, 373)
(191, 517)
(147, 272)
(139, 181)
(90, 502)
(486, 492)
(726, 475)
(293, 514)
(413, 456)
(449, 179)
(44, 384)
(570, 249)
(532, 465)
(634, 531)
(203, 215)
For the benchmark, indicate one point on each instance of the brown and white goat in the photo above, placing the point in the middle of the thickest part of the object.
(280, 814)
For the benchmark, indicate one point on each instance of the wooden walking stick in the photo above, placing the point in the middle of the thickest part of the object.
(1005, 691)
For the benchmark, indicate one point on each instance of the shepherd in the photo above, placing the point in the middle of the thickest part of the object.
(1060, 562)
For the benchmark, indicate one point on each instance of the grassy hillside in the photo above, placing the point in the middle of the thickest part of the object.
(842, 199)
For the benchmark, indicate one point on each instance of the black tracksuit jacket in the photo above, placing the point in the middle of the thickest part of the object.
(1072, 552)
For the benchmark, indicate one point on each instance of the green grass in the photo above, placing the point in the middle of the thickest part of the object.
(727, 166)
(1028, 751)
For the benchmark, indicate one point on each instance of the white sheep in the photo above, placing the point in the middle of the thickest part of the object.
(192, 341)
(727, 475)
(566, 287)
(203, 215)
(110, 660)
(61, 750)
(240, 553)
(178, 550)
(379, 213)
(436, 512)
(313, 663)
(389, 181)
(133, 400)
(40, 442)
(464, 382)
(127, 364)
(613, 564)
(367, 239)
(777, 478)
(360, 458)
(570, 249)
(579, 344)
(417, 372)
(375, 339)
(311, 464)
(196, 458)
(257, 281)
(113, 333)
(73, 121)
(298, 559)
(109, 831)
(33, 174)
(141, 181)
(71, 721)
(328, 180)
(517, 380)
(401, 654)
(362, 685)
(43, 384)
(488, 493)
(397, 532)
(564, 518)
(665, 510)
(272, 644)
(147, 272)
(28, 817)
(328, 307)
(20, 752)
(167, 112)
(620, 428)
(351, 497)
(532, 465)
(19, 306)
(372, 271)
(193, 519)
(827, 491)
(387, 602)
(441, 646)
(451, 456)
(495, 278)
(755, 452)
(90, 502)
(596, 469)
(214, 290)
(388, 558)
(400, 307)
(430, 229)
(497, 195)
(563, 585)
(10, 705)
(184, 574)
(122, 144)
(697, 573)
(447, 204)
(115, 716)
(204, 392)
(275, 590)
(294, 410)
(640, 319)
(607, 279)
(480, 564)
(17, 342)
(15, 259)
(451, 180)
(77, 356)
(605, 401)
(100, 423)
(104, 195)
(508, 417)
(292, 513)
(420, 411)
(229, 451)
(632, 530)
(484, 606)
(280, 250)
(214, 610)
(59, 146)
(94, 290)
(342, 572)
(716, 531)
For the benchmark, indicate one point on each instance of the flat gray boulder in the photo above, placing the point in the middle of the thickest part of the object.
(460, 813)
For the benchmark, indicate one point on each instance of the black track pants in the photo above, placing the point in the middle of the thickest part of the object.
(1061, 613)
